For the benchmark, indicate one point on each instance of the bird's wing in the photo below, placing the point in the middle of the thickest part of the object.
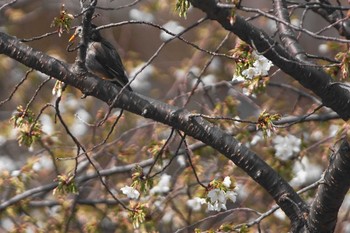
(109, 59)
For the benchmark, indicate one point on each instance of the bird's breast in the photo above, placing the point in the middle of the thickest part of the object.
(92, 63)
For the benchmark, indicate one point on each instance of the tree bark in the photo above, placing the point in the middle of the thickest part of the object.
(331, 193)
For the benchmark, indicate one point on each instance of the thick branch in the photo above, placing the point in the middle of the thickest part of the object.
(286, 33)
(333, 95)
(331, 192)
(86, 22)
(180, 119)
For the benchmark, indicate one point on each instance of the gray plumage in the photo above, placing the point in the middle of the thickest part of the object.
(102, 59)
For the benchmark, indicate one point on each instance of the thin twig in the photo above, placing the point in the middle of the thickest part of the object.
(35, 94)
(189, 154)
(16, 87)
(160, 152)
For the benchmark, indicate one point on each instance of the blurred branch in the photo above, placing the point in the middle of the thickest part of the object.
(301, 119)
(296, 90)
(79, 180)
(7, 4)
(213, 219)
(307, 118)
(51, 203)
(26, 194)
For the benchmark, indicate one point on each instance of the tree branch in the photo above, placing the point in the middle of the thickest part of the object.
(331, 192)
(333, 16)
(286, 33)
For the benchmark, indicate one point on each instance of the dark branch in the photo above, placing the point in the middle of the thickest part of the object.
(286, 33)
(331, 192)
(333, 16)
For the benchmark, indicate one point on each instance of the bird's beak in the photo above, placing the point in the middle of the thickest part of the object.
(73, 37)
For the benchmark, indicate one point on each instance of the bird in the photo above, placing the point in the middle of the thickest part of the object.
(102, 59)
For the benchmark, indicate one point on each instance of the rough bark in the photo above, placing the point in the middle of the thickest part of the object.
(331, 193)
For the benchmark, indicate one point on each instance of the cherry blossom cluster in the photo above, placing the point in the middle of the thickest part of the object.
(217, 196)
(258, 66)
(138, 213)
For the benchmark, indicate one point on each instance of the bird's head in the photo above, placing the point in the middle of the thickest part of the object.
(94, 35)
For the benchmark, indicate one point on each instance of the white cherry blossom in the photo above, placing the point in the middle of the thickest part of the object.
(163, 186)
(195, 203)
(286, 146)
(227, 181)
(130, 192)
